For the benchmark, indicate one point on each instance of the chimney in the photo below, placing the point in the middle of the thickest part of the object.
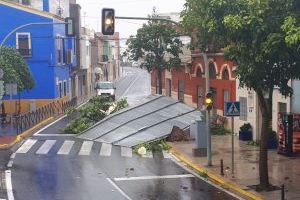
(46, 6)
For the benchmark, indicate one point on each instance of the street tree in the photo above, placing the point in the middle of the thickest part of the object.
(157, 46)
(254, 34)
(15, 69)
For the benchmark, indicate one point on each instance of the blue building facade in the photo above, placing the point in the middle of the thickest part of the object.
(48, 52)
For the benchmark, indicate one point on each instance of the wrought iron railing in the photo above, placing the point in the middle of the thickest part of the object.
(28, 120)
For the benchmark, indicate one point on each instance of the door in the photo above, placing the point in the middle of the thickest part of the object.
(181, 90)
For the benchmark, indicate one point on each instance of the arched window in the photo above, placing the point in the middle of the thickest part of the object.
(199, 72)
(212, 71)
(225, 74)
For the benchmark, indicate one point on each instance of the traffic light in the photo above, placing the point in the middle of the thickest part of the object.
(108, 21)
(209, 100)
(70, 27)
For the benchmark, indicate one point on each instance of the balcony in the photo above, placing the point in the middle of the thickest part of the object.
(25, 52)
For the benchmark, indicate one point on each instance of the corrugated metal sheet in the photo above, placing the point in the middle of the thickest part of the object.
(151, 120)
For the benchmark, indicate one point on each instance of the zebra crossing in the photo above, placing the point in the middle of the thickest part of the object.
(85, 148)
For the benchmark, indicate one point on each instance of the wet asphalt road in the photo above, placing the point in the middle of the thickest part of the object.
(50, 176)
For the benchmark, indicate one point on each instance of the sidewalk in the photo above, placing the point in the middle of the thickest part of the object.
(282, 170)
(9, 138)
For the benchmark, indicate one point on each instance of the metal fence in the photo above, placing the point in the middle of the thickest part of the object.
(26, 121)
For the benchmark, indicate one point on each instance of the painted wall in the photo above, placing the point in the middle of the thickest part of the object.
(43, 63)
(253, 112)
(193, 78)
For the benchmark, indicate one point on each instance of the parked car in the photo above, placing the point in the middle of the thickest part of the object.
(106, 88)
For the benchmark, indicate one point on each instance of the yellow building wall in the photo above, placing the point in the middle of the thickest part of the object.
(11, 107)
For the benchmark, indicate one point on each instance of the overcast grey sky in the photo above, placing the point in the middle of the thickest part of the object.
(133, 8)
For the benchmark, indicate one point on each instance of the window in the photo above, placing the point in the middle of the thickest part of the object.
(181, 90)
(64, 52)
(243, 108)
(282, 107)
(212, 71)
(23, 44)
(157, 85)
(199, 72)
(87, 50)
(169, 87)
(225, 96)
(26, 2)
(225, 74)
(65, 88)
(60, 89)
(59, 48)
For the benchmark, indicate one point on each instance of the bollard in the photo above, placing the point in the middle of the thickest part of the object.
(222, 167)
(282, 192)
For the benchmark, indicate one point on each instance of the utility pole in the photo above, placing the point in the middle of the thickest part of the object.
(207, 90)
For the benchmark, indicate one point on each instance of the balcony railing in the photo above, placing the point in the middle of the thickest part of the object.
(25, 52)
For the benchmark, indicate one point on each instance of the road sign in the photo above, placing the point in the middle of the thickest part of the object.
(2, 91)
(232, 109)
(11, 89)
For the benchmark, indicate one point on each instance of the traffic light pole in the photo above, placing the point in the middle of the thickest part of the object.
(207, 88)
(148, 18)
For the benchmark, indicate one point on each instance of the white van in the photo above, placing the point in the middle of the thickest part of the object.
(106, 88)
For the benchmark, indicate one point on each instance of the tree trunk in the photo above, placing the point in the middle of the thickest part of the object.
(159, 72)
(263, 151)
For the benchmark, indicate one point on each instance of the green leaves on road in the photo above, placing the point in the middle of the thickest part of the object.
(94, 111)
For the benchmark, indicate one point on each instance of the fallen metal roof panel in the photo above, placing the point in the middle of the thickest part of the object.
(151, 120)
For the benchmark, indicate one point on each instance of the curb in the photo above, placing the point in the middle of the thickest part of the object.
(25, 134)
(217, 179)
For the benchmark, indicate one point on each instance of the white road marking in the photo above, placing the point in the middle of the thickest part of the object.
(126, 152)
(9, 189)
(86, 148)
(55, 135)
(26, 146)
(66, 147)
(148, 155)
(105, 149)
(13, 156)
(37, 133)
(45, 148)
(10, 164)
(129, 87)
(118, 188)
(166, 155)
(154, 177)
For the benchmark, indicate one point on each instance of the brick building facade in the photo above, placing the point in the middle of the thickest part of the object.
(188, 83)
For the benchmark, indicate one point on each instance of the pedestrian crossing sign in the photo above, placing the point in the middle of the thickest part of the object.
(232, 109)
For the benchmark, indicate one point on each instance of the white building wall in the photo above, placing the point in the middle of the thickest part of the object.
(63, 4)
(54, 6)
(85, 53)
(37, 4)
(253, 113)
